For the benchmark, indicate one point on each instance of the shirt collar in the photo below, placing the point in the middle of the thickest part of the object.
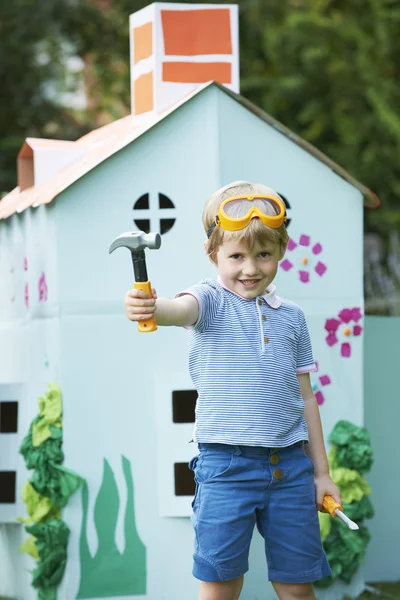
(270, 296)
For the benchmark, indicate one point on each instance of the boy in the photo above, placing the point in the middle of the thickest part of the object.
(261, 457)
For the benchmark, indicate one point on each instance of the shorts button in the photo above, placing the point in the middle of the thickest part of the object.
(260, 303)
(277, 473)
(274, 459)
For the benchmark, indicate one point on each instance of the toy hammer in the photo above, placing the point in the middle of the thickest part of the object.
(136, 242)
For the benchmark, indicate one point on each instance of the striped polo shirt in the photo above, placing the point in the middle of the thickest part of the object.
(243, 359)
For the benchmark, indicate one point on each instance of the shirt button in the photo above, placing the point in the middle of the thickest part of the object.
(277, 474)
(260, 302)
(264, 318)
(274, 459)
(266, 340)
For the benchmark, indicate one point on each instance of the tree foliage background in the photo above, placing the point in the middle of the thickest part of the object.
(327, 69)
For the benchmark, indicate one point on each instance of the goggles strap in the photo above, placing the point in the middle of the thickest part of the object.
(211, 229)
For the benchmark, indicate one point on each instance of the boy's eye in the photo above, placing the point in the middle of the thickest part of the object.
(236, 256)
(265, 254)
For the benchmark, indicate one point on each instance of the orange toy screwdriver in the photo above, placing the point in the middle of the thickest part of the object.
(336, 510)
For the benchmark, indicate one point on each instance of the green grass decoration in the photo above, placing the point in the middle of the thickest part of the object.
(109, 572)
(349, 459)
(46, 493)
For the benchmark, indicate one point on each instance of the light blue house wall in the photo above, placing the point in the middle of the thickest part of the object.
(116, 383)
(382, 418)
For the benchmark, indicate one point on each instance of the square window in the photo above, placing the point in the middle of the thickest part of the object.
(7, 487)
(183, 406)
(184, 480)
(8, 417)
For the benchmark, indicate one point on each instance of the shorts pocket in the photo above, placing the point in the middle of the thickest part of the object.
(192, 467)
(213, 465)
(311, 464)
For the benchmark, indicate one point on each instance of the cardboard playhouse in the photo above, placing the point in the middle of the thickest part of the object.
(128, 401)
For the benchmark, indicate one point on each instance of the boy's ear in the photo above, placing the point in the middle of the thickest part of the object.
(205, 244)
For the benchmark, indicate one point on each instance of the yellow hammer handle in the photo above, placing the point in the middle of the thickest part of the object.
(149, 324)
(330, 505)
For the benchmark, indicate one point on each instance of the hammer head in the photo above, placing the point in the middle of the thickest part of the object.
(136, 241)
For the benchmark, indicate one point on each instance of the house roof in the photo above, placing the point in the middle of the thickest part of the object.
(105, 141)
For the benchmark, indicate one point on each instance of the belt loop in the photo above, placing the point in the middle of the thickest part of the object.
(237, 451)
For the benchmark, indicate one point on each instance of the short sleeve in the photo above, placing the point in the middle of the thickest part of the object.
(209, 300)
(305, 358)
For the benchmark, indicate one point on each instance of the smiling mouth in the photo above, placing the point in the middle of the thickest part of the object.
(249, 282)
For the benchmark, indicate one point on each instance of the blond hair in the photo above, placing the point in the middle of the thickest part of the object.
(256, 231)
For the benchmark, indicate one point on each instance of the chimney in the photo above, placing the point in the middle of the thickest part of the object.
(40, 159)
(175, 48)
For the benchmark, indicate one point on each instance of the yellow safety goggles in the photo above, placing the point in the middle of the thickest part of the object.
(236, 213)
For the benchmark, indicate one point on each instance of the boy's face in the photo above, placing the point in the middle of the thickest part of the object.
(248, 271)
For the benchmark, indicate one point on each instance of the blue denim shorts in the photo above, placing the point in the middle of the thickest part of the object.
(238, 487)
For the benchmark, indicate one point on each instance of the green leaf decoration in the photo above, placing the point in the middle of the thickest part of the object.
(352, 446)
(51, 542)
(48, 490)
(349, 458)
(50, 411)
(352, 485)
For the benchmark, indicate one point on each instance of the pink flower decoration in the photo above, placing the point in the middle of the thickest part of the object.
(308, 262)
(322, 380)
(304, 240)
(42, 288)
(340, 328)
(320, 268)
(356, 314)
(25, 264)
(304, 276)
(345, 315)
(345, 350)
(286, 265)
(332, 325)
(26, 295)
(331, 339)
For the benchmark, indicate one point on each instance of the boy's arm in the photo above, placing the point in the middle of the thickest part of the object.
(316, 447)
(182, 311)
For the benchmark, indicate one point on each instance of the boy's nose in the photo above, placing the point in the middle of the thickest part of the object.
(250, 269)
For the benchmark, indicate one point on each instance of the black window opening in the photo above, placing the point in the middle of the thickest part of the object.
(9, 417)
(183, 406)
(184, 480)
(161, 223)
(142, 203)
(8, 481)
(165, 202)
(143, 225)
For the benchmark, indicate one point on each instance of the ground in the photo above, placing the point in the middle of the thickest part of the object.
(383, 591)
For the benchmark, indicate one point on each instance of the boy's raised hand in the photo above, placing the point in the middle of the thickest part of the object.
(138, 305)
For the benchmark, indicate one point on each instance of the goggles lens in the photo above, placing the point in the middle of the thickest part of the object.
(236, 213)
(241, 208)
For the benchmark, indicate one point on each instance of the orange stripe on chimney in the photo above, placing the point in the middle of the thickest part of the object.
(200, 31)
(142, 42)
(191, 72)
(143, 94)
